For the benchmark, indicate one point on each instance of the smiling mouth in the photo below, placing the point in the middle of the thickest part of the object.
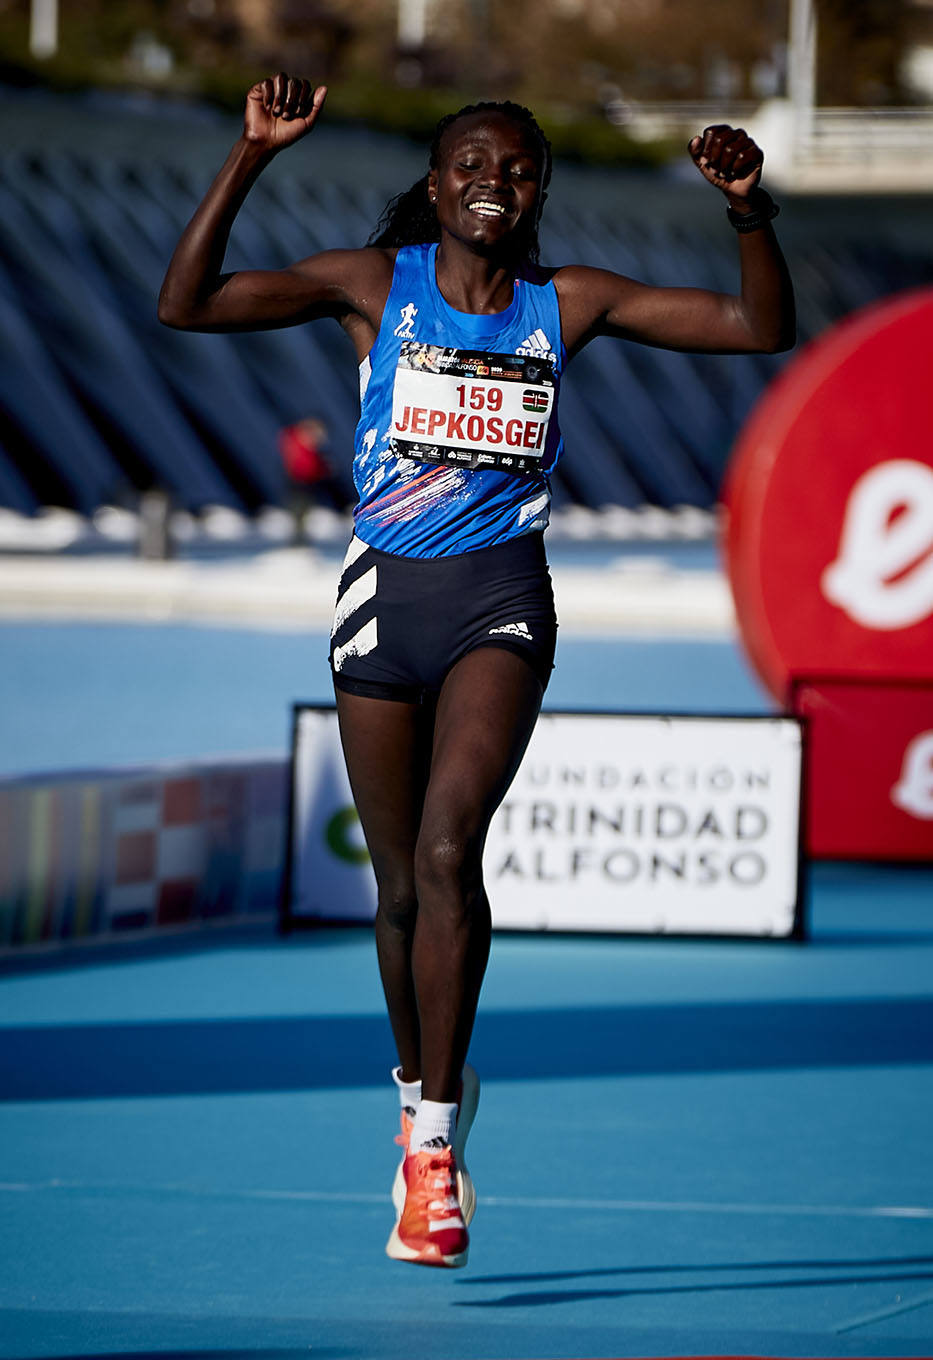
(484, 207)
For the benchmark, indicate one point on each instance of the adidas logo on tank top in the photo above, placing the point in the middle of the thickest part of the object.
(537, 346)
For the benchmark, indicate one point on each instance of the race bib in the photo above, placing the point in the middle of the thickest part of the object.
(471, 409)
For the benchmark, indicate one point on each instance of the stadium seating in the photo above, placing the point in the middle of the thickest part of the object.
(98, 401)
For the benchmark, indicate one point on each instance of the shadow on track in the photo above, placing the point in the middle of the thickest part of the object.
(46, 1062)
(825, 1280)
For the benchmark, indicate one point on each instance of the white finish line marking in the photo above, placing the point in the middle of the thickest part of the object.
(621, 1206)
(882, 1315)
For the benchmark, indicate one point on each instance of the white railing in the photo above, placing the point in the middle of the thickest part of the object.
(862, 150)
(651, 122)
(834, 149)
(856, 135)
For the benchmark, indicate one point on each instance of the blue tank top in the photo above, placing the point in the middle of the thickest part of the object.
(458, 428)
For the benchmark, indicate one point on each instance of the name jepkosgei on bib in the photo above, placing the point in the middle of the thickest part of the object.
(469, 408)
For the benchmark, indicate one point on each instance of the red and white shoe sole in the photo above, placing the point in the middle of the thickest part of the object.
(429, 1255)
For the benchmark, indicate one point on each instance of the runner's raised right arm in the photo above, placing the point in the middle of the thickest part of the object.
(196, 295)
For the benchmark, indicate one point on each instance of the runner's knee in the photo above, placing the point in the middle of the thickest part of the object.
(397, 903)
(448, 868)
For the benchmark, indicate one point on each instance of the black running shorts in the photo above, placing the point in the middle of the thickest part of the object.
(401, 623)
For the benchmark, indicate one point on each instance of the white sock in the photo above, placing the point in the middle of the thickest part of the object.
(409, 1092)
(434, 1120)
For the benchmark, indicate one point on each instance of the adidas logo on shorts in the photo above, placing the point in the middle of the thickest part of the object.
(514, 630)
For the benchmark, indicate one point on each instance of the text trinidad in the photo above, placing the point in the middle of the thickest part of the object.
(633, 843)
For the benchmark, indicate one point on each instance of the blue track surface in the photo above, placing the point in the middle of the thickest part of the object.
(85, 695)
(683, 1147)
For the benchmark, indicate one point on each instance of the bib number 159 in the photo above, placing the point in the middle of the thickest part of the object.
(479, 397)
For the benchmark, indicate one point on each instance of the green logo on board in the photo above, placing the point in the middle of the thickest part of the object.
(339, 838)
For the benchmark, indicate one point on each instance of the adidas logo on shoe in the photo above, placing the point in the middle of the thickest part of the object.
(514, 630)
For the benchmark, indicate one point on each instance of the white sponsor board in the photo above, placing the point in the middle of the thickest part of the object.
(629, 823)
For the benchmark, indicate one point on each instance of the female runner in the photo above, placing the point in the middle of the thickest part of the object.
(444, 630)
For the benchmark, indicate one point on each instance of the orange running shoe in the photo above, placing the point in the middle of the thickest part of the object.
(431, 1230)
(467, 1102)
(403, 1139)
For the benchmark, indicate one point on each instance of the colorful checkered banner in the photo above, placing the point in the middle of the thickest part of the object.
(629, 823)
(112, 852)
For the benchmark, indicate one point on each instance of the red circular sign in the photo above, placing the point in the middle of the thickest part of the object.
(829, 546)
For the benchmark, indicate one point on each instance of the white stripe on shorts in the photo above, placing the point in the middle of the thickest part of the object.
(353, 597)
(362, 642)
(356, 549)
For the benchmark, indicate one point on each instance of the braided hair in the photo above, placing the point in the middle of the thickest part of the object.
(410, 218)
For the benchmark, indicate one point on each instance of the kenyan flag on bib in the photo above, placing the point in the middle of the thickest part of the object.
(534, 401)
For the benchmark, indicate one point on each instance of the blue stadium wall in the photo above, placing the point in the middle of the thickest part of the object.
(98, 401)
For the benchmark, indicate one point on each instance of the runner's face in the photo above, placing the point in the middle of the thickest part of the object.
(488, 180)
